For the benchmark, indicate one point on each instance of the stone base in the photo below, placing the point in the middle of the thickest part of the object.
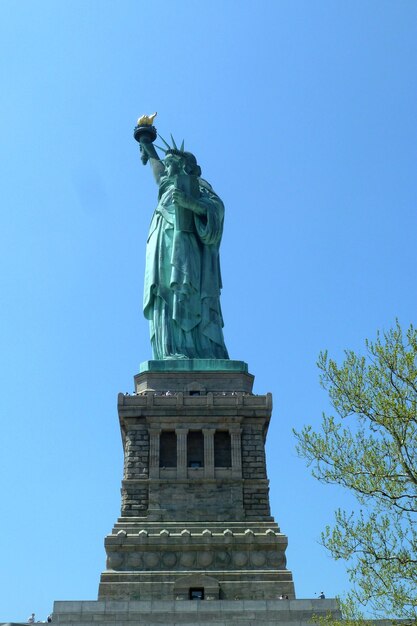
(150, 561)
(194, 612)
(194, 376)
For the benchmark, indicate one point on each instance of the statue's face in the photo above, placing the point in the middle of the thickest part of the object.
(178, 164)
(173, 165)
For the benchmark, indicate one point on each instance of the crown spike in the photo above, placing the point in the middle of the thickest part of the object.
(173, 142)
(182, 146)
(165, 142)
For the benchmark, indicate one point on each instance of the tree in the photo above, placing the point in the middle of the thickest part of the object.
(371, 449)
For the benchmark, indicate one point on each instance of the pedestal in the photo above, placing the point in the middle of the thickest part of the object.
(195, 495)
(195, 543)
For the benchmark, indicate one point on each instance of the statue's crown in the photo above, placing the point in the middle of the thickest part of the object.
(192, 166)
(175, 152)
(174, 148)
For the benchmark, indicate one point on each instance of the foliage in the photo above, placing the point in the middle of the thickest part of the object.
(372, 451)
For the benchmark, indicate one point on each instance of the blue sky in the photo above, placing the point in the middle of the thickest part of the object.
(302, 115)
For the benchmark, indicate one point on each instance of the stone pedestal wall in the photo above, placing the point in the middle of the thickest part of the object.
(194, 613)
(195, 492)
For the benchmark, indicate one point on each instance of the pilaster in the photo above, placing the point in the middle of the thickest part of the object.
(208, 452)
(235, 435)
(181, 452)
(154, 434)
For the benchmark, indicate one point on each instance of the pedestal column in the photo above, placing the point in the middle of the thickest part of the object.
(181, 452)
(154, 436)
(208, 452)
(235, 435)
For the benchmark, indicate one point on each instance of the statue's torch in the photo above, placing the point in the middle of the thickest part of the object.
(145, 133)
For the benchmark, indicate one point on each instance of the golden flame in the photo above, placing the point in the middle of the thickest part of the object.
(146, 120)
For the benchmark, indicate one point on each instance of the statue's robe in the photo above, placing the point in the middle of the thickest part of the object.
(183, 281)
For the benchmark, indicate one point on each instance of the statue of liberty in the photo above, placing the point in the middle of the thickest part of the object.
(182, 276)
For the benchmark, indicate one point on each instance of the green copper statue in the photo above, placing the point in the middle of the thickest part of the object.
(182, 276)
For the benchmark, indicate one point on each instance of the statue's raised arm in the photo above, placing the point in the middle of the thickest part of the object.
(145, 133)
(182, 276)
